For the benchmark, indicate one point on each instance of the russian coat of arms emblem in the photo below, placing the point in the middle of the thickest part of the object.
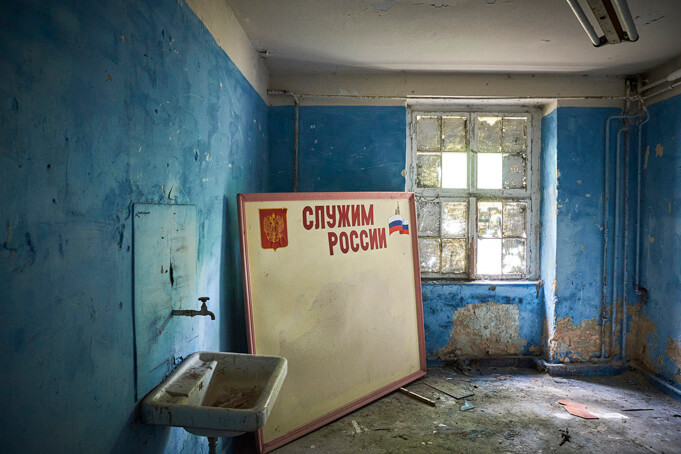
(273, 228)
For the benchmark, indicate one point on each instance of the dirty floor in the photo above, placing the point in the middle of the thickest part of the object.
(516, 411)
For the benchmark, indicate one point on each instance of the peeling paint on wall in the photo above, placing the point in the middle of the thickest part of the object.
(673, 353)
(572, 241)
(659, 150)
(443, 302)
(659, 329)
(86, 133)
(485, 329)
(572, 342)
(643, 335)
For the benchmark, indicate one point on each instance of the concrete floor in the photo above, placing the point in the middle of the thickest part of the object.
(516, 411)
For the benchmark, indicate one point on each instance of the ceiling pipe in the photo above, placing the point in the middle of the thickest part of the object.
(441, 97)
(627, 21)
(586, 25)
(674, 75)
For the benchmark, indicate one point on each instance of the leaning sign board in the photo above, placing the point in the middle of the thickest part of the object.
(332, 284)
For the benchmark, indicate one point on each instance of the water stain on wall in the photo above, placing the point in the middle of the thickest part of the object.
(484, 329)
(572, 342)
(642, 339)
(659, 150)
(673, 352)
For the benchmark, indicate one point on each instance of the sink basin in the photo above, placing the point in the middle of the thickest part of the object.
(215, 394)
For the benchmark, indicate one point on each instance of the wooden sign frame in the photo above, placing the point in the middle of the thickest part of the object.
(269, 221)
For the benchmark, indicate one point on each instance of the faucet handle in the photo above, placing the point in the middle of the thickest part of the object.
(203, 299)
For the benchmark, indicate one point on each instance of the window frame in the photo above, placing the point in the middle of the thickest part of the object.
(530, 194)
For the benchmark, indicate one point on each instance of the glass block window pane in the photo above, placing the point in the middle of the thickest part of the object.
(428, 170)
(514, 135)
(489, 219)
(429, 255)
(514, 216)
(454, 256)
(455, 170)
(513, 256)
(490, 170)
(454, 219)
(428, 133)
(428, 215)
(513, 169)
(497, 148)
(489, 256)
(454, 134)
(489, 134)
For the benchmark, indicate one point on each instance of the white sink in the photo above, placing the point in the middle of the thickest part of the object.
(215, 394)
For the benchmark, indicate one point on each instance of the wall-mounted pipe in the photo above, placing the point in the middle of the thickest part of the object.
(296, 116)
(625, 260)
(625, 17)
(296, 133)
(662, 90)
(673, 76)
(637, 274)
(605, 212)
(443, 97)
(637, 278)
(615, 244)
(586, 25)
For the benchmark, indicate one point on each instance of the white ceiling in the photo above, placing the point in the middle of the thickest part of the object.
(501, 36)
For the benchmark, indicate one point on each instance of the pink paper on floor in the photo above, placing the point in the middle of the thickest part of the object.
(577, 409)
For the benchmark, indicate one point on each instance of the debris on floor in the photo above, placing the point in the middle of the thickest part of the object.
(638, 409)
(449, 389)
(418, 397)
(501, 377)
(565, 436)
(356, 426)
(577, 409)
(467, 406)
(516, 415)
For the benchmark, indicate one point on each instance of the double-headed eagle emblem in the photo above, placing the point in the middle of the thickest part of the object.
(273, 230)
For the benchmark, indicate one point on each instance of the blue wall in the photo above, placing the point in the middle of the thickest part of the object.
(104, 104)
(345, 148)
(581, 141)
(336, 142)
(352, 148)
(441, 302)
(660, 319)
(281, 148)
(572, 203)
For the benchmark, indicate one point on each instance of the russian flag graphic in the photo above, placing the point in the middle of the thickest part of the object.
(398, 224)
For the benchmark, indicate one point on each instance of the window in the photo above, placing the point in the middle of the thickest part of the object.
(472, 173)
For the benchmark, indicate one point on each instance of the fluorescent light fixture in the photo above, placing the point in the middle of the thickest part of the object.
(614, 20)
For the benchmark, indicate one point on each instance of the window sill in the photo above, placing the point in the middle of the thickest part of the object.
(481, 282)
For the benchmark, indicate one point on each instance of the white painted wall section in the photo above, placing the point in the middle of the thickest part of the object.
(393, 88)
(231, 37)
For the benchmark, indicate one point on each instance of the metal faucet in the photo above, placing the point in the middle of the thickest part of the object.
(191, 313)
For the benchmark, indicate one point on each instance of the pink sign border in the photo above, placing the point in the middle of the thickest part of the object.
(352, 406)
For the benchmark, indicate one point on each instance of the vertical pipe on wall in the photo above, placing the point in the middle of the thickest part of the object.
(606, 202)
(615, 245)
(296, 108)
(625, 260)
(637, 274)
